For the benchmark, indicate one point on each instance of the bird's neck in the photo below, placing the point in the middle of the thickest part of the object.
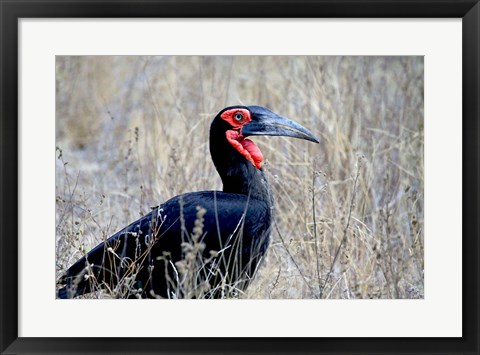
(237, 173)
(247, 180)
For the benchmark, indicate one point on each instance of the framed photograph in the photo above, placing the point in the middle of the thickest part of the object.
(221, 177)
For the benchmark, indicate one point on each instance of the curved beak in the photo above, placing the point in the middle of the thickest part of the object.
(268, 123)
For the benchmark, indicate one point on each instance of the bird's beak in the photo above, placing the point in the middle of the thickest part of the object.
(268, 123)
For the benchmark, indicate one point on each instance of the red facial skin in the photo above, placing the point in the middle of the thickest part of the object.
(229, 116)
(238, 117)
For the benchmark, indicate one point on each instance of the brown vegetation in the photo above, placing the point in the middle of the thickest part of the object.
(131, 132)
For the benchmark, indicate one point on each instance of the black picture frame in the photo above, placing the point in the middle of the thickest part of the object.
(12, 11)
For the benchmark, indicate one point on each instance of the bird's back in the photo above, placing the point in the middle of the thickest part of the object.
(201, 244)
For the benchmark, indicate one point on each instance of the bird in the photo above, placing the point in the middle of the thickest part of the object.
(205, 244)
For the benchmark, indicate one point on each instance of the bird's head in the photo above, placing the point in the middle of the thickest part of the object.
(240, 122)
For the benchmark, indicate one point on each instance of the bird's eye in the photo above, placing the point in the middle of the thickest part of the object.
(238, 116)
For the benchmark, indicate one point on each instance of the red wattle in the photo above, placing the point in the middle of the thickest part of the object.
(255, 153)
(246, 147)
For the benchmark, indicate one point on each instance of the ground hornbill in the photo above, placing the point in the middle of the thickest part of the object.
(204, 244)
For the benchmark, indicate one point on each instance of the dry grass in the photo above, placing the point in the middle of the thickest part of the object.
(132, 132)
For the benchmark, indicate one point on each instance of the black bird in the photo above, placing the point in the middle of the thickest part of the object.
(204, 244)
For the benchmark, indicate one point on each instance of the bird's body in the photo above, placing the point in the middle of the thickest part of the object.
(204, 244)
(242, 229)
